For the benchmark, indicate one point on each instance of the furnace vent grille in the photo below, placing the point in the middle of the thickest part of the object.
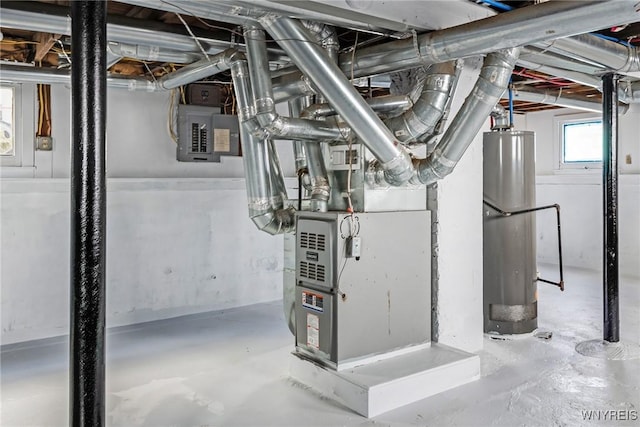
(312, 241)
(311, 271)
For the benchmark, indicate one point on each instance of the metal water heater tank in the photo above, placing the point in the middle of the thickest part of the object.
(510, 288)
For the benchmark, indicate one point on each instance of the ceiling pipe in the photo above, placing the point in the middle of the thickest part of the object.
(49, 18)
(610, 55)
(201, 69)
(150, 53)
(628, 92)
(314, 62)
(551, 59)
(54, 20)
(524, 26)
(556, 97)
(26, 74)
(574, 76)
(387, 105)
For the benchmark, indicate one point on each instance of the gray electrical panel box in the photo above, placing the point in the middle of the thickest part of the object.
(363, 285)
(204, 135)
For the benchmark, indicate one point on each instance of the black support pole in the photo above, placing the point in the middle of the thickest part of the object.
(611, 328)
(88, 213)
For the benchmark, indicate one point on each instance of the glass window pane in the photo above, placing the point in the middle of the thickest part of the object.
(582, 142)
(7, 146)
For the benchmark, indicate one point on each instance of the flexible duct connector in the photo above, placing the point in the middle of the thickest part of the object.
(430, 106)
(492, 82)
(265, 185)
(315, 63)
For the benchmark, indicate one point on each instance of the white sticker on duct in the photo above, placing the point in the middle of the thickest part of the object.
(154, 52)
(313, 331)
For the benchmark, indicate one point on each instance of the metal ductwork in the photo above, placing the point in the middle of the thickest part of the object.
(437, 86)
(150, 53)
(492, 82)
(500, 117)
(265, 198)
(54, 19)
(555, 97)
(519, 27)
(386, 105)
(608, 54)
(314, 62)
(291, 86)
(535, 55)
(201, 69)
(270, 121)
(26, 74)
(296, 106)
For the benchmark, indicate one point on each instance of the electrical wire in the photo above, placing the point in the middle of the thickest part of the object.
(64, 52)
(350, 141)
(204, 52)
(17, 42)
(172, 112)
(40, 110)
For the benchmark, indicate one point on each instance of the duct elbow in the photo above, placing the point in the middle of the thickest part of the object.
(275, 222)
(433, 168)
(399, 170)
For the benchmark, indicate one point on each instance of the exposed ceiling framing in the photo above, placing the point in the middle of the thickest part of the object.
(52, 50)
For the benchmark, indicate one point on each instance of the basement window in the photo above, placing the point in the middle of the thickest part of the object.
(580, 143)
(7, 121)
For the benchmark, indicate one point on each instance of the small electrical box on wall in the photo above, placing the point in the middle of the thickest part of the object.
(204, 94)
(204, 135)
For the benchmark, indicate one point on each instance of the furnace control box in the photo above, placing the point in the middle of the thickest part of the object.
(204, 135)
(363, 285)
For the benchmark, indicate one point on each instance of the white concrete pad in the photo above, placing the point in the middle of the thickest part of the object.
(379, 387)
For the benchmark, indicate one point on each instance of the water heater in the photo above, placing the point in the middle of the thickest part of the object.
(510, 288)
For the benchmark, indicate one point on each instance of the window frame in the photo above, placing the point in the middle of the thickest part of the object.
(21, 164)
(15, 159)
(559, 123)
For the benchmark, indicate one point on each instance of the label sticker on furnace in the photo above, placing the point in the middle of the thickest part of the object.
(313, 301)
(313, 331)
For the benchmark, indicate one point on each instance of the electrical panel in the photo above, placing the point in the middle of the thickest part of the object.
(204, 135)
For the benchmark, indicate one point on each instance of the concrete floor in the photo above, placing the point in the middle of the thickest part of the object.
(230, 369)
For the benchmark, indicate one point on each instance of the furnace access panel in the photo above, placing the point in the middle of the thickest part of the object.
(363, 284)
